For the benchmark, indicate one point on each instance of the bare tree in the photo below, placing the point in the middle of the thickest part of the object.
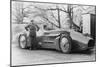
(51, 9)
(69, 11)
(19, 12)
(43, 13)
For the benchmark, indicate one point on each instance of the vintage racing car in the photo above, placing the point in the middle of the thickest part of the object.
(64, 40)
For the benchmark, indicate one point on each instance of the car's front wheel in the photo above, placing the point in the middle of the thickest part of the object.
(22, 40)
(65, 43)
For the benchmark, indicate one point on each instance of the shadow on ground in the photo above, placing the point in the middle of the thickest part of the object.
(85, 52)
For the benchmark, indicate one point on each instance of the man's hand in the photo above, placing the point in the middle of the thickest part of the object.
(26, 28)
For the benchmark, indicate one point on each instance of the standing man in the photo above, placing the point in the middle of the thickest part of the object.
(32, 34)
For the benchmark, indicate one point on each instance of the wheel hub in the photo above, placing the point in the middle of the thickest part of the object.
(64, 44)
(22, 42)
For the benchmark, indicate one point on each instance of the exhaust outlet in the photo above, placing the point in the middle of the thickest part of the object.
(91, 43)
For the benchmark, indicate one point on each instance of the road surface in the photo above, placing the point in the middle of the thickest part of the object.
(43, 56)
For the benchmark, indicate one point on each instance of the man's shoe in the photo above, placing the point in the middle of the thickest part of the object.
(34, 48)
(31, 48)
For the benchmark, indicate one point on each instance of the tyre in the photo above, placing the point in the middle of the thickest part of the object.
(22, 40)
(65, 43)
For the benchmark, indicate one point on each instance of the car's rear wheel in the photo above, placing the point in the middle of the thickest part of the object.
(22, 41)
(65, 43)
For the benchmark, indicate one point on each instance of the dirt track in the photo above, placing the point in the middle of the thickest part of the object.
(44, 56)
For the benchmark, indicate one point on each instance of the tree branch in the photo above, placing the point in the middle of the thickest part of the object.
(53, 16)
(51, 22)
(51, 9)
(44, 17)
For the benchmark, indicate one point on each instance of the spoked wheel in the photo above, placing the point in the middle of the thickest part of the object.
(65, 44)
(22, 41)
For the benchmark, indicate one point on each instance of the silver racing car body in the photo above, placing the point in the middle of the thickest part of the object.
(64, 40)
